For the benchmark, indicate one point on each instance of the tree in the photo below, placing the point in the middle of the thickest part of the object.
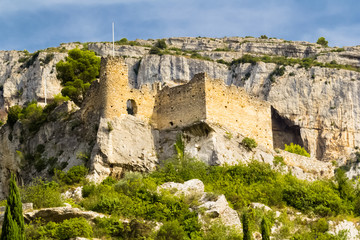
(79, 70)
(322, 42)
(13, 225)
(161, 44)
(246, 229)
(13, 115)
(265, 230)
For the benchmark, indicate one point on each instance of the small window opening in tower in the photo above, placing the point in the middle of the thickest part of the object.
(131, 107)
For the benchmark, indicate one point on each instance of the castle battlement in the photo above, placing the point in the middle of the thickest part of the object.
(202, 99)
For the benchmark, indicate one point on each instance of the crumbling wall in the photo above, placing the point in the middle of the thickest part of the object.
(232, 107)
(115, 91)
(202, 99)
(181, 105)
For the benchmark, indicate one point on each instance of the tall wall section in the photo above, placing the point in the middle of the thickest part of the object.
(116, 92)
(232, 107)
(181, 105)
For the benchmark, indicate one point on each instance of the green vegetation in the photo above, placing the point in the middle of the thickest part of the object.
(322, 42)
(161, 44)
(135, 197)
(297, 149)
(265, 230)
(278, 71)
(249, 143)
(284, 61)
(278, 161)
(76, 174)
(13, 225)
(13, 115)
(74, 227)
(33, 115)
(79, 70)
(42, 194)
(48, 58)
(156, 51)
(245, 224)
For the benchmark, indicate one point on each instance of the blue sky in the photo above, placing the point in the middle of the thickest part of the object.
(38, 24)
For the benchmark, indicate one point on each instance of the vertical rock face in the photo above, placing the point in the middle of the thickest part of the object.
(169, 68)
(24, 78)
(123, 144)
(322, 103)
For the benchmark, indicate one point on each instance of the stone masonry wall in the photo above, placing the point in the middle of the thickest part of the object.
(202, 99)
(234, 108)
(115, 91)
(181, 105)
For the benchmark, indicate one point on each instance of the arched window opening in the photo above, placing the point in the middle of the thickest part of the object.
(131, 107)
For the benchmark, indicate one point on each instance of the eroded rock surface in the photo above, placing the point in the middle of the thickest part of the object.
(216, 208)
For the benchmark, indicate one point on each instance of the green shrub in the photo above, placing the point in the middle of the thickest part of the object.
(122, 41)
(171, 231)
(13, 115)
(74, 227)
(156, 50)
(246, 227)
(76, 174)
(297, 149)
(79, 70)
(278, 71)
(279, 160)
(161, 44)
(218, 230)
(344, 185)
(49, 57)
(322, 42)
(263, 37)
(108, 227)
(265, 230)
(32, 116)
(249, 143)
(42, 194)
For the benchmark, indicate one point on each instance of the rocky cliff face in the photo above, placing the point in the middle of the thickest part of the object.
(315, 107)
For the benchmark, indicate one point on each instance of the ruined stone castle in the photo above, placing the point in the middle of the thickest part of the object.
(200, 100)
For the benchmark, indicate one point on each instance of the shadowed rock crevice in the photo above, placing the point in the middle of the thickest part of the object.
(284, 131)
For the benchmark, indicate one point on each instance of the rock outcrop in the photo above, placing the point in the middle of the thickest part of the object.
(216, 207)
(59, 214)
(123, 144)
(347, 227)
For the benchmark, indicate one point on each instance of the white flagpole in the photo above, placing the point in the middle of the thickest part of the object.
(113, 32)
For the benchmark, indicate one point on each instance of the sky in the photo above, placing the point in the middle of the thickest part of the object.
(39, 24)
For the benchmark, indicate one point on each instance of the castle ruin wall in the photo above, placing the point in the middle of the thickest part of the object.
(182, 105)
(116, 92)
(232, 107)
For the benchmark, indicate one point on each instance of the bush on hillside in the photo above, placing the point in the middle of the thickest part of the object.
(322, 41)
(76, 174)
(42, 194)
(74, 227)
(13, 115)
(297, 149)
(161, 44)
(77, 72)
(249, 143)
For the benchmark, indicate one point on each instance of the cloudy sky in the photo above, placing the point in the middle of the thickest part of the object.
(38, 24)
